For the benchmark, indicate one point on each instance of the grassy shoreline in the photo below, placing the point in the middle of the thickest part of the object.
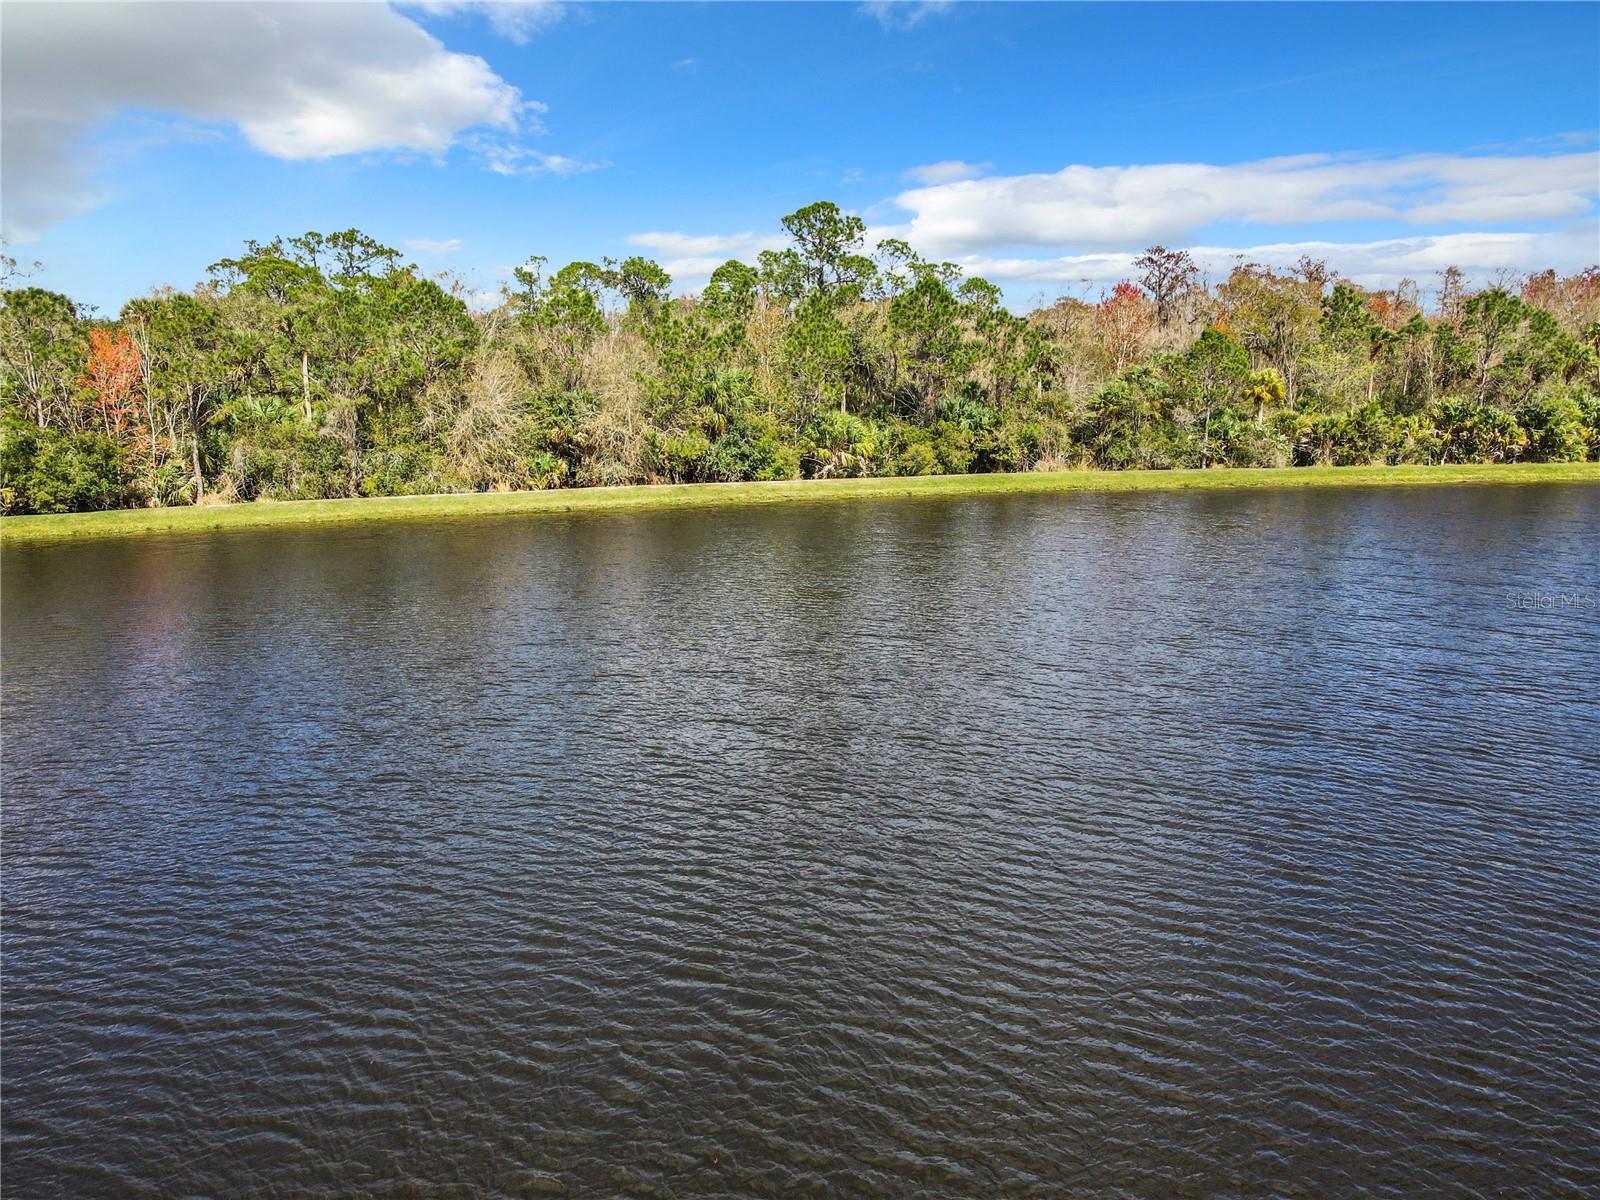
(265, 514)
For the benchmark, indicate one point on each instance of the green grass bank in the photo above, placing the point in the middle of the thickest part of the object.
(265, 514)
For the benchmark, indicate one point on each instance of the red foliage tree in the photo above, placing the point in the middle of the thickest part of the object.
(1125, 319)
(113, 375)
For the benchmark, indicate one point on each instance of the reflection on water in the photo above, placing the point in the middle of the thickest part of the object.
(1138, 845)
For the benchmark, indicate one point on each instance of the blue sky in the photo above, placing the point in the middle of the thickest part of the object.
(1039, 144)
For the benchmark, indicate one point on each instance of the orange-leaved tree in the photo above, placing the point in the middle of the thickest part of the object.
(1125, 320)
(113, 375)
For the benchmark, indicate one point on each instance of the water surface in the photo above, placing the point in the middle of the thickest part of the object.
(1207, 844)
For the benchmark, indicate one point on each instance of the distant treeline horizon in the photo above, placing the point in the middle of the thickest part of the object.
(324, 366)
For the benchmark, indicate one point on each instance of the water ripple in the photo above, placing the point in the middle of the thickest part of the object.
(1125, 846)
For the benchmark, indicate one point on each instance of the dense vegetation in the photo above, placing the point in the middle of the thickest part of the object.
(322, 366)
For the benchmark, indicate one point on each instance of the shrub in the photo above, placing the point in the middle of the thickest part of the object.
(752, 448)
(916, 458)
(1477, 432)
(679, 457)
(952, 445)
(404, 469)
(1589, 410)
(288, 462)
(835, 443)
(45, 471)
(1555, 429)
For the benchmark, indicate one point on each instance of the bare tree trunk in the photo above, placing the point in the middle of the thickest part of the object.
(35, 382)
(150, 466)
(351, 429)
(305, 383)
(194, 443)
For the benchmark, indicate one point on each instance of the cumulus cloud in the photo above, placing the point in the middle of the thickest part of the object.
(429, 246)
(900, 15)
(299, 81)
(1087, 206)
(949, 171)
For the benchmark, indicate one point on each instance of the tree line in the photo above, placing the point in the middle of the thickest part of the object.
(325, 366)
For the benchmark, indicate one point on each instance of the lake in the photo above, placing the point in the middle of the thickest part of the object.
(1184, 844)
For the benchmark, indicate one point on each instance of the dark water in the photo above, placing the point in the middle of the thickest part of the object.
(1156, 845)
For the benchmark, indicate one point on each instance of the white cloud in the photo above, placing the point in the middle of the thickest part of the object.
(515, 20)
(1375, 264)
(692, 257)
(429, 246)
(1118, 206)
(949, 171)
(1086, 225)
(728, 244)
(904, 14)
(299, 81)
(509, 158)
